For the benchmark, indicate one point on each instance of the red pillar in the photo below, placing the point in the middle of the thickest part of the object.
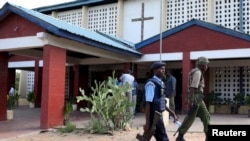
(186, 67)
(3, 84)
(53, 86)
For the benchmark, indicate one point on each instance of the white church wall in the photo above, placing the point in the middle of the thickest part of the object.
(133, 10)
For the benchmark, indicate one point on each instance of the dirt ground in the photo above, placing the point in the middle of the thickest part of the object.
(194, 134)
(80, 135)
(33, 133)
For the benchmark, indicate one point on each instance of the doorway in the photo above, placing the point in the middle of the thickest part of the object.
(177, 73)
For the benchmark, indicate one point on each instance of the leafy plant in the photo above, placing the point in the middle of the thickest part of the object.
(16, 95)
(31, 96)
(228, 101)
(213, 98)
(68, 128)
(11, 102)
(67, 110)
(238, 99)
(248, 101)
(109, 106)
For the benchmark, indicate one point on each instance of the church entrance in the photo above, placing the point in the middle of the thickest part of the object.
(177, 73)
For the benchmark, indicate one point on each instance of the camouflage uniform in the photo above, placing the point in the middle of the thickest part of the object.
(196, 80)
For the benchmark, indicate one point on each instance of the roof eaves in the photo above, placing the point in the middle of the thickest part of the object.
(128, 44)
(62, 6)
(60, 31)
(190, 23)
(71, 5)
(224, 30)
(164, 34)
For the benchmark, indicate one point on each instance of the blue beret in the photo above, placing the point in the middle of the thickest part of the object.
(157, 65)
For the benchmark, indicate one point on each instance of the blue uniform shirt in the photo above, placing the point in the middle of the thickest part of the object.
(150, 89)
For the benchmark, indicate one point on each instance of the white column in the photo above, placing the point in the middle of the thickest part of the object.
(164, 15)
(210, 9)
(120, 12)
(85, 18)
(54, 14)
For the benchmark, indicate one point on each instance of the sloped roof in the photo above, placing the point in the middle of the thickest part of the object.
(188, 24)
(72, 5)
(69, 31)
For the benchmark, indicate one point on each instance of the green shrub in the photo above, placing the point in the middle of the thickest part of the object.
(67, 110)
(68, 128)
(31, 97)
(11, 102)
(16, 99)
(247, 101)
(214, 98)
(110, 103)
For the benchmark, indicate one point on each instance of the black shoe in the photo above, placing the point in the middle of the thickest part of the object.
(180, 138)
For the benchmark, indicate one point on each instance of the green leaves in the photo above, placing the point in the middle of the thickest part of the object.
(109, 102)
(67, 110)
(214, 98)
(31, 96)
(11, 102)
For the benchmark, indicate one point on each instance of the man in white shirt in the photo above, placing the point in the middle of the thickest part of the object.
(12, 90)
(127, 77)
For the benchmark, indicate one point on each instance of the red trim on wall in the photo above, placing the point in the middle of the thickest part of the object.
(196, 38)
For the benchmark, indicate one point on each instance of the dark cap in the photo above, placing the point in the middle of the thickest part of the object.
(157, 65)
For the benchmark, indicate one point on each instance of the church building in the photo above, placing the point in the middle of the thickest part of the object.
(71, 44)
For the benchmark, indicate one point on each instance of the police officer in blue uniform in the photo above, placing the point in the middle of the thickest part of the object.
(155, 101)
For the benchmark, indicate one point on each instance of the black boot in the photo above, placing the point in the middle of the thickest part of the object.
(206, 137)
(180, 138)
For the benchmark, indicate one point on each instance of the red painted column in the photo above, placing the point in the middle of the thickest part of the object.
(186, 67)
(53, 86)
(3, 84)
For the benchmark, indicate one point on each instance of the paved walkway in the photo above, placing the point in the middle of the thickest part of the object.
(27, 122)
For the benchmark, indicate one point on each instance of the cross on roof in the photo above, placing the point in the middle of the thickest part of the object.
(142, 19)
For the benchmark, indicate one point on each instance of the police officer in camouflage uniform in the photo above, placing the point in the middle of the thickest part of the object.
(196, 86)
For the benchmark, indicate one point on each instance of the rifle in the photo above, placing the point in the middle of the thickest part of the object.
(148, 135)
(191, 111)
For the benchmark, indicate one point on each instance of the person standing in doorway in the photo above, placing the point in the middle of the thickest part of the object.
(196, 86)
(134, 95)
(170, 84)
